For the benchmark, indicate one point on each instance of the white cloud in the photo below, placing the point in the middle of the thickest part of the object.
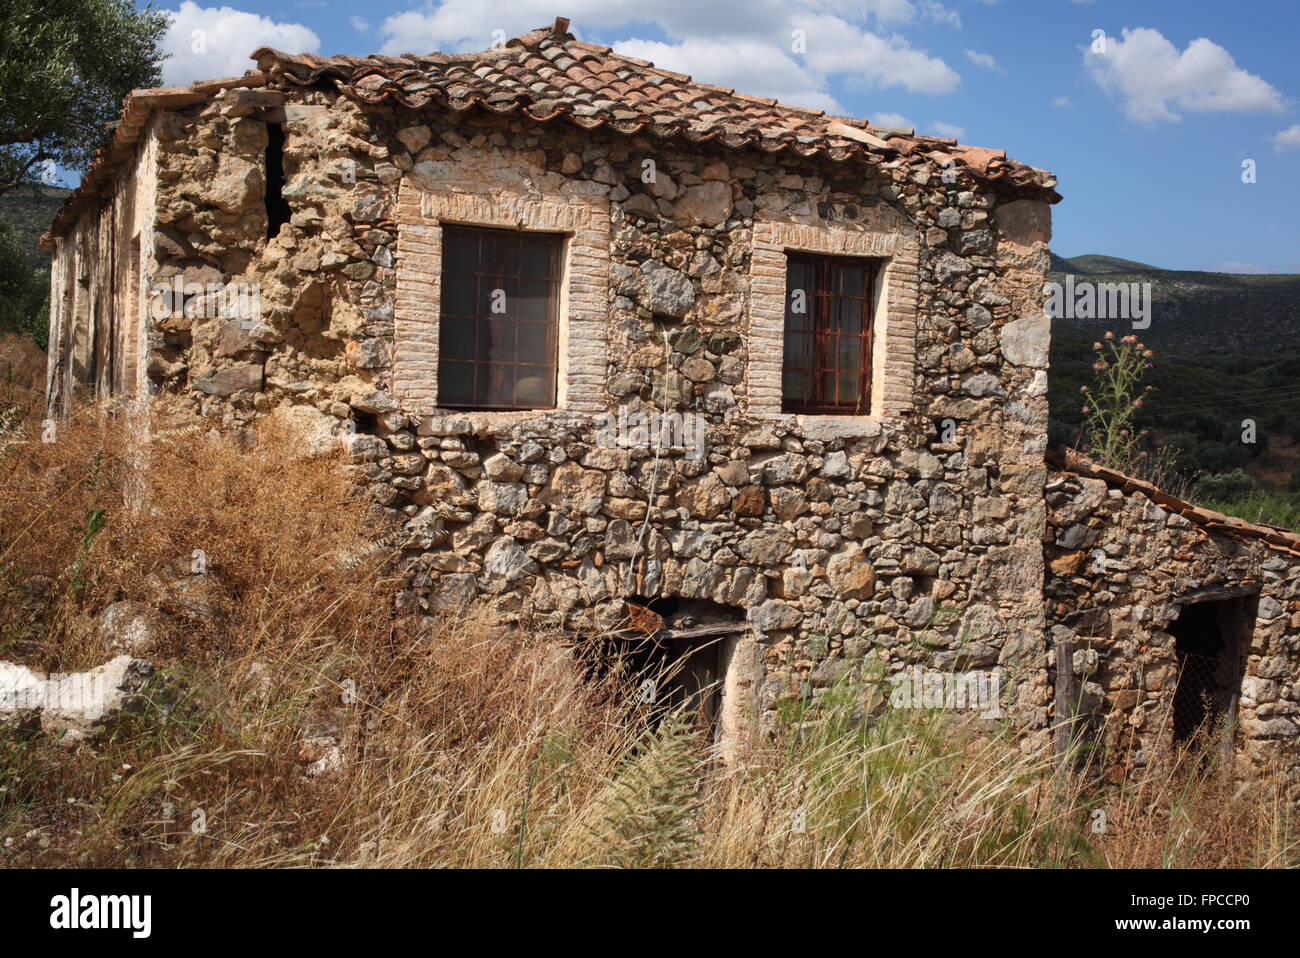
(748, 65)
(986, 60)
(891, 119)
(948, 129)
(754, 52)
(1288, 139)
(1153, 79)
(1062, 102)
(210, 42)
(360, 24)
(938, 13)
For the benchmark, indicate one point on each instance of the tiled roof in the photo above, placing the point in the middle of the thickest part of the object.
(547, 74)
(1068, 460)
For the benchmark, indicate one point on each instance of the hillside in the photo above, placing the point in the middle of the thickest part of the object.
(29, 209)
(1227, 349)
(1197, 310)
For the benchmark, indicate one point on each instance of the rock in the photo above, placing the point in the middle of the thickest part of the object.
(642, 205)
(851, 574)
(708, 204)
(576, 489)
(502, 469)
(424, 530)
(787, 468)
(376, 403)
(505, 498)
(128, 626)
(766, 545)
(705, 498)
(949, 267)
(1076, 536)
(774, 614)
(982, 384)
(719, 399)
(506, 560)
(81, 705)
(320, 750)
(313, 433)
(836, 466)
(453, 591)
(229, 380)
(1025, 342)
(415, 138)
(665, 291)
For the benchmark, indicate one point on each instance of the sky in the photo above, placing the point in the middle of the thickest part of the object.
(1153, 114)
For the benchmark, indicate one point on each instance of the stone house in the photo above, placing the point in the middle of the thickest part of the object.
(618, 350)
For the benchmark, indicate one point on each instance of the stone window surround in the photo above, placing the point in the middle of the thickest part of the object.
(893, 347)
(584, 289)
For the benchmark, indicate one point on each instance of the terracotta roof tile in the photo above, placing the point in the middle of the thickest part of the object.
(1068, 460)
(545, 74)
(595, 86)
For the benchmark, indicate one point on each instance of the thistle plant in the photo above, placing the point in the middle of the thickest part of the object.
(1111, 405)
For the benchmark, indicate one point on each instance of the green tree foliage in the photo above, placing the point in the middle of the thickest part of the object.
(65, 66)
(24, 291)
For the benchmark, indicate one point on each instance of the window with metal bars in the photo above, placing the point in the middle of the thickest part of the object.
(498, 326)
(826, 364)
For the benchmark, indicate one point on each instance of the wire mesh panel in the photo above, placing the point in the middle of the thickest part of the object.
(1202, 694)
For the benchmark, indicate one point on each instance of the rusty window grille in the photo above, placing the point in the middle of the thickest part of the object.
(498, 328)
(826, 365)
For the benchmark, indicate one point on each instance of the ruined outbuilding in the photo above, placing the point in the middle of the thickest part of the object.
(613, 345)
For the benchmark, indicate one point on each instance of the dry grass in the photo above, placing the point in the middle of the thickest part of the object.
(461, 744)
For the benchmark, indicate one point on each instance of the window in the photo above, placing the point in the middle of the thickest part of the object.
(277, 208)
(497, 329)
(828, 329)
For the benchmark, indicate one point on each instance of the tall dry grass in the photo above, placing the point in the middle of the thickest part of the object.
(454, 741)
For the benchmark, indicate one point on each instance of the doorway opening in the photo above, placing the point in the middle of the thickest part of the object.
(1207, 638)
(681, 653)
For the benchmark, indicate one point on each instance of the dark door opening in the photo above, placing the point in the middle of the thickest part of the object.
(679, 651)
(1207, 637)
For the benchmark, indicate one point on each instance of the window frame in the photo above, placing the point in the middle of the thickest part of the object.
(820, 302)
(453, 232)
(880, 233)
(424, 205)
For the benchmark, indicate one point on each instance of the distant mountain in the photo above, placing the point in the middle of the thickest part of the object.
(1227, 350)
(30, 209)
(1091, 263)
(1193, 309)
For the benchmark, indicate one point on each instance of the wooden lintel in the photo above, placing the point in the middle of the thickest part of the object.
(1235, 591)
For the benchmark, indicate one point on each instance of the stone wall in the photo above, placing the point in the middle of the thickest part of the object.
(1122, 569)
(910, 534)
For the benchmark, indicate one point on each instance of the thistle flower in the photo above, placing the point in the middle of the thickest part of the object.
(1109, 335)
(1085, 410)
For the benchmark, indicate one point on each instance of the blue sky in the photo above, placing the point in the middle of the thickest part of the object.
(1147, 136)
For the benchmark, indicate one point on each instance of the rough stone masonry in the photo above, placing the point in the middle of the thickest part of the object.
(909, 529)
